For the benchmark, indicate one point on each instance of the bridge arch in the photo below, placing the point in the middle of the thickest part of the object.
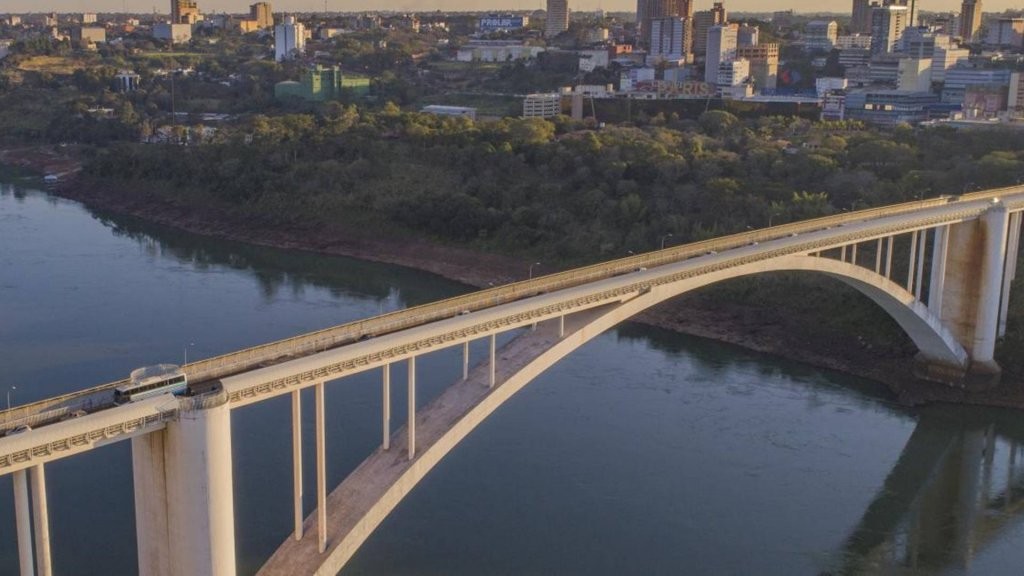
(536, 352)
(921, 324)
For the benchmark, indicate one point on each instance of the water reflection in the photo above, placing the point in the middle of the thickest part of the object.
(956, 489)
(278, 270)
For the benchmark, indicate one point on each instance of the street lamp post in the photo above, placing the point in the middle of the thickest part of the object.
(663, 238)
(531, 269)
(185, 348)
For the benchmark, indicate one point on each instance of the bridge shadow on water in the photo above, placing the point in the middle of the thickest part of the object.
(955, 493)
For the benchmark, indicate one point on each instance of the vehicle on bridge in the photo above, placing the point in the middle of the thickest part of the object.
(150, 381)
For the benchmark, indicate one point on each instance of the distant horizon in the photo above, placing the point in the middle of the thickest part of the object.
(313, 6)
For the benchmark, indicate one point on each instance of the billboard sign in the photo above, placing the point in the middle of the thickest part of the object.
(496, 23)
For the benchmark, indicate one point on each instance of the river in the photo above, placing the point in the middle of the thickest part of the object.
(644, 452)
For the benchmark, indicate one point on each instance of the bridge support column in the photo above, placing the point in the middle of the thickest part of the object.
(993, 262)
(149, 475)
(936, 285)
(24, 524)
(465, 360)
(386, 406)
(321, 470)
(888, 256)
(912, 268)
(200, 489)
(1010, 271)
(921, 250)
(411, 426)
(970, 281)
(297, 461)
(41, 517)
(493, 367)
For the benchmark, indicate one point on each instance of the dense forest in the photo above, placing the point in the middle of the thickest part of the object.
(561, 190)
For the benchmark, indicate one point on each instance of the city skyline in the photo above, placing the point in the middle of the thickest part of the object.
(281, 6)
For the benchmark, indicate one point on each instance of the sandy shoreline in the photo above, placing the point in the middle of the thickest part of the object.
(742, 325)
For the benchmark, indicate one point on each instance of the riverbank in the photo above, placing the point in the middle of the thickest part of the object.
(747, 325)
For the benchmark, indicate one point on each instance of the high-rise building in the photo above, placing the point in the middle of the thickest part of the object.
(683, 8)
(670, 38)
(887, 25)
(764, 64)
(261, 13)
(649, 10)
(289, 39)
(748, 35)
(730, 76)
(1006, 33)
(721, 48)
(920, 42)
(702, 22)
(1015, 100)
(558, 18)
(820, 35)
(184, 12)
(946, 23)
(860, 22)
(970, 20)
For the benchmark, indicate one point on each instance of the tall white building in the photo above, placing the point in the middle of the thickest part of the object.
(887, 25)
(289, 39)
(721, 48)
(732, 79)
(558, 18)
(670, 38)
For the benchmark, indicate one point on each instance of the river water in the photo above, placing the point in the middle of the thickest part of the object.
(645, 452)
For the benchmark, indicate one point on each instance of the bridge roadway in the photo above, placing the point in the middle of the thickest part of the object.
(569, 307)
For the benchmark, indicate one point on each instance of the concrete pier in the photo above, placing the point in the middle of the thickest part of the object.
(184, 492)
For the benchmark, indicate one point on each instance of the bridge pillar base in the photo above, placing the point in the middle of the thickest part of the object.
(983, 375)
(979, 376)
(932, 370)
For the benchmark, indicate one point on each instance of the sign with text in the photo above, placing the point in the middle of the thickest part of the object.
(495, 23)
(670, 89)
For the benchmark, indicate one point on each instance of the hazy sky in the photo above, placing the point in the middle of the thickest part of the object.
(239, 6)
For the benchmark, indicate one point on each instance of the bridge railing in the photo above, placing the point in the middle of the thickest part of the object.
(318, 341)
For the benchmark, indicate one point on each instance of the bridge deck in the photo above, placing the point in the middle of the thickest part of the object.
(369, 493)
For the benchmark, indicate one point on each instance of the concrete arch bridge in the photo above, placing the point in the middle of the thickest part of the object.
(942, 268)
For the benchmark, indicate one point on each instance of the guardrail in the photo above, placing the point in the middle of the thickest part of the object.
(318, 341)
